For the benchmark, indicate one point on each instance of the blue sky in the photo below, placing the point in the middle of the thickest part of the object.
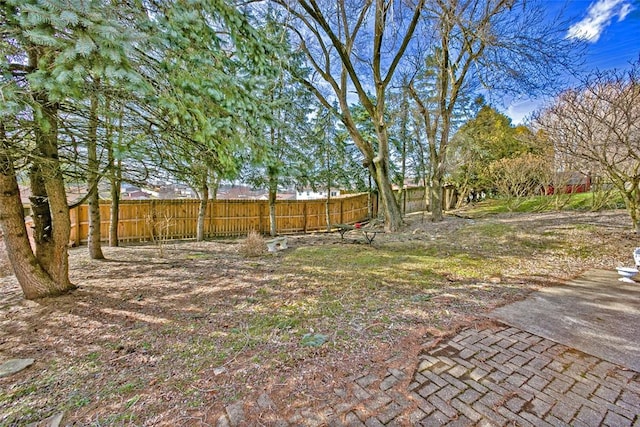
(611, 31)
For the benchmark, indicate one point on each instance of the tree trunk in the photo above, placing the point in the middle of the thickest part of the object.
(404, 135)
(327, 208)
(636, 205)
(40, 213)
(435, 198)
(202, 211)
(437, 184)
(33, 279)
(53, 255)
(439, 159)
(632, 201)
(390, 206)
(273, 192)
(214, 184)
(377, 164)
(379, 168)
(115, 177)
(114, 218)
(58, 256)
(93, 179)
(392, 214)
(369, 196)
(401, 193)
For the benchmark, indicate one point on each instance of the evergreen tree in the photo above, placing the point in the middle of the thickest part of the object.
(488, 137)
(334, 159)
(74, 57)
(49, 47)
(279, 157)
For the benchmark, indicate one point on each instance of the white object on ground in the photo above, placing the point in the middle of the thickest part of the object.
(627, 273)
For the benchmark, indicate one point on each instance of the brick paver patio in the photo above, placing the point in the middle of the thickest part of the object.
(490, 377)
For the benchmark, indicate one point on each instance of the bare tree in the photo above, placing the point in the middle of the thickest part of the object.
(501, 45)
(355, 47)
(598, 125)
(518, 177)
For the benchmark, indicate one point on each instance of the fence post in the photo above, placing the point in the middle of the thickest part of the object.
(210, 225)
(304, 216)
(154, 218)
(404, 201)
(73, 235)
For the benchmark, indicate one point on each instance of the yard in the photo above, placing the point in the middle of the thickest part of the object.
(173, 339)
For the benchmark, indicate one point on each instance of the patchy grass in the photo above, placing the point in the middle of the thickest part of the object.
(149, 340)
(565, 202)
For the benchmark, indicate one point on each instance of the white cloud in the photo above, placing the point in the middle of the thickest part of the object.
(624, 11)
(520, 110)
(599, 16)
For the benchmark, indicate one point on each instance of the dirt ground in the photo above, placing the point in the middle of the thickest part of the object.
(170, 340)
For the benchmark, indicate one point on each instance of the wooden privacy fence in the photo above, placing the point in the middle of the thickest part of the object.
(414, 199)
(141, 220)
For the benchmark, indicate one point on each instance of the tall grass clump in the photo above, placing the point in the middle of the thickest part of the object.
(253, 245)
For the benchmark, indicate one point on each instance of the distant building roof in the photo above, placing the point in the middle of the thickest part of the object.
(240, 192)
(136, 195)
(74, 193)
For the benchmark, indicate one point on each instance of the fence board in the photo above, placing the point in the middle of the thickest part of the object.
(414, 200)
(143, 220)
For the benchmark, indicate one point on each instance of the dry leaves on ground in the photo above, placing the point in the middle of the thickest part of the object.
(149, 340)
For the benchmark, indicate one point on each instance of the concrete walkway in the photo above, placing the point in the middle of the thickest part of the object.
(502, 375)
(596, 313)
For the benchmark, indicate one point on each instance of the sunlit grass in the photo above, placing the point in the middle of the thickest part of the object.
(475, 253)
(579, 201)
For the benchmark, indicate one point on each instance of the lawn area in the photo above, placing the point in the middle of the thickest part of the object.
(570, 201)
(150, 340)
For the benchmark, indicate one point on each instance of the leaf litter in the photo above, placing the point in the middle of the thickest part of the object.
(173, 340)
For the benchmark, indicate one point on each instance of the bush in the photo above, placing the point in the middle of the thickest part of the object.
(517, 178)
(253, 246)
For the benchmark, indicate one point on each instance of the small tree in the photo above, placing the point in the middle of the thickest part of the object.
(282, 159)
(333, 159)
(488, 137)
(597, 124)
(206, 68)
(518, 177)
(159, 230)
